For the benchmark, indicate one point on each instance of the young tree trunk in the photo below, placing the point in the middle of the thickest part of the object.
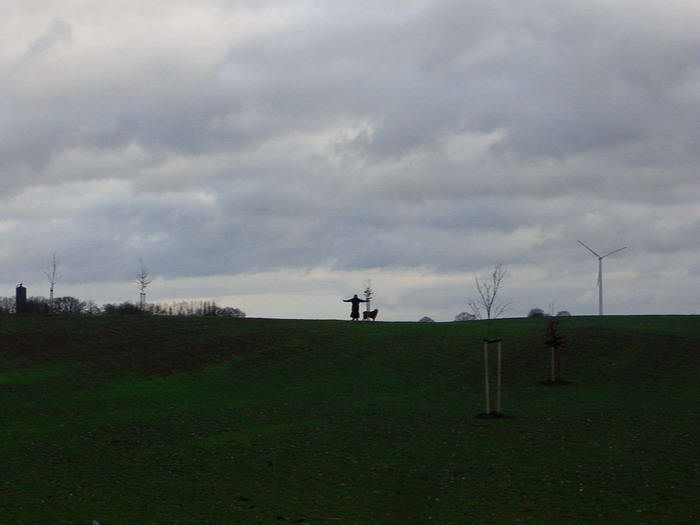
(486, 377)
(498, 380)
(553, 374)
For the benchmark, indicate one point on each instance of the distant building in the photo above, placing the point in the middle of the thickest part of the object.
(20, 299)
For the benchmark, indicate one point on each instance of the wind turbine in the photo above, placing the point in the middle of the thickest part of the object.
(600, 273)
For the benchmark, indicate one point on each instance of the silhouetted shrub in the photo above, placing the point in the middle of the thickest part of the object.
(194, 308)
(67, 306)
(7, 305)
(36, 305)
(231, 312)
(564, 313)
(425, 320)
(125, 308)
(536, 312)
(465, 316)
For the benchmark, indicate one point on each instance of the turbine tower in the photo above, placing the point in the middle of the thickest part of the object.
(600, 273)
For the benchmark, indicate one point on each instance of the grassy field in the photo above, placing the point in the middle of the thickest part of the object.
(190, 420)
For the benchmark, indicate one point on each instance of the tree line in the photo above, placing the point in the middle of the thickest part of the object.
(74, 306)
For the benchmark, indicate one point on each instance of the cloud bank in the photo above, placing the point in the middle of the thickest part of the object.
(323, 143)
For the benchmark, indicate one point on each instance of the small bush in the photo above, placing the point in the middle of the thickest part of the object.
(536, 312)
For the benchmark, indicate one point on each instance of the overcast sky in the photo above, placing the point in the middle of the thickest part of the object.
(273, 155)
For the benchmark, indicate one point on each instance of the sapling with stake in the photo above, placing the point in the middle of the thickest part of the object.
(555, 342)
(487, 381)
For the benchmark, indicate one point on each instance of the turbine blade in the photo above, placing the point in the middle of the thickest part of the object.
(587, 248)
(615, 251)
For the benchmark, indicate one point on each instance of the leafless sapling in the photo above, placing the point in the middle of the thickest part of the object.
(53, 277)
(555, 342)
(368, 292)
(486, 305)
(142, 281)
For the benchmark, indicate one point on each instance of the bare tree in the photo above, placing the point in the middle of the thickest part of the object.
(486, 304)
(53, 277)
(142, 281)
(368, 293)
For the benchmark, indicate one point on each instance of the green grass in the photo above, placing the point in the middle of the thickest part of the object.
(175, 420)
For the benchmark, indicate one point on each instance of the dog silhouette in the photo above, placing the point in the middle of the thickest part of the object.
(370, 315)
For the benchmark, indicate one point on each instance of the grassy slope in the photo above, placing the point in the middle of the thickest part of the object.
(156, 420)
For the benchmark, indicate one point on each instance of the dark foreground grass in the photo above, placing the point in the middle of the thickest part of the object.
(167, 421)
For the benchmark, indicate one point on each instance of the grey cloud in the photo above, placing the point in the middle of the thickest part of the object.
(354, 136)
(556, 85)
(57, 32)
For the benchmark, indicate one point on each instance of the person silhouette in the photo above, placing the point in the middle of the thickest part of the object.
(355, 311)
